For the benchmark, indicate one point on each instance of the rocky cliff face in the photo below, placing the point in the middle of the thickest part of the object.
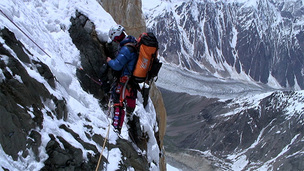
(262, 39)
(43, 124)
(128, 13)
(21, 95)
(24, 101)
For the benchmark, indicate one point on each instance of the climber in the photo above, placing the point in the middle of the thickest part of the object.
(124, 91)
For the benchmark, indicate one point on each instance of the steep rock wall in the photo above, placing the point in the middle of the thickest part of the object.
(127, 13)
(160, 109)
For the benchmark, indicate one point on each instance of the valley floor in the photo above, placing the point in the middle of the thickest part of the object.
(189, 162)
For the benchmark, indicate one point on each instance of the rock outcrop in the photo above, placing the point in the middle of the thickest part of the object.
(20, 95)
(161, 112)
(128, 13)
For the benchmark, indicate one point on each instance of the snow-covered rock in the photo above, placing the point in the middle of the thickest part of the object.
(52, 116)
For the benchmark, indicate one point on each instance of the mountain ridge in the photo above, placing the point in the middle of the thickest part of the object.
(260, 132)
(260, 40)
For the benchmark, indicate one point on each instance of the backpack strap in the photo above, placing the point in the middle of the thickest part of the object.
(133, 49)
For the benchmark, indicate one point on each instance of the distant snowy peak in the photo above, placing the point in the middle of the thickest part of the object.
(241, 39)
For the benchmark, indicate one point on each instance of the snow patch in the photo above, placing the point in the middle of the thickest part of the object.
(115, 156)
(2, 77)
(28, 163)
(272, 82)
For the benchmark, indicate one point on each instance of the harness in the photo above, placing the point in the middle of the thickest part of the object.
(122, 86)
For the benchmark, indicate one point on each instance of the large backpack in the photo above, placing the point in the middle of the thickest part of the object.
(147, 66)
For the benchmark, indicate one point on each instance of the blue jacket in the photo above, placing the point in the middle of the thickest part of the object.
(126, 58)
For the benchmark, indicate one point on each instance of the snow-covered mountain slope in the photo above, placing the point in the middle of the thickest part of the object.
(253, 132)
(48, 121)
(259, 39)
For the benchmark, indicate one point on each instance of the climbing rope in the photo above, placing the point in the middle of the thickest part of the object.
(103, 147)
(91, 78)
(97, 81)
(107, 136)
(24, 33)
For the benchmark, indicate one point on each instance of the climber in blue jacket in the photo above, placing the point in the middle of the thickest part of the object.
(126, 57)
(124, 91)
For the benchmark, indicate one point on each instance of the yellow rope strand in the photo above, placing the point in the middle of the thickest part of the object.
(103, 147)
